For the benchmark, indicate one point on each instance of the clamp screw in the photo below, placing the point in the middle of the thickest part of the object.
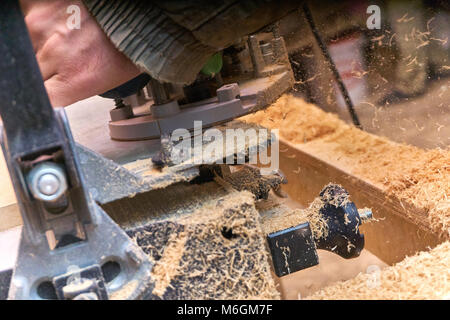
(47, 181)
(48, 184)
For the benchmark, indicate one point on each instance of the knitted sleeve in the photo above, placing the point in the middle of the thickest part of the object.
(172, 39)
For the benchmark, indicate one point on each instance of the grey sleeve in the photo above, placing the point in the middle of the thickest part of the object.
(172, 40)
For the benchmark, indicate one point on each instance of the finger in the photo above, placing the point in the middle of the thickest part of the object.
(71, 86)
(42, 20)
(60, 93)
(66, 89)
(48, 70)
(39, 27)
(50, 57)
(47, 65)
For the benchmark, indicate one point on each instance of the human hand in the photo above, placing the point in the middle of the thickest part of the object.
(75, 63)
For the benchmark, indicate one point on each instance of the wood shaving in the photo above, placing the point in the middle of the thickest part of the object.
(292, 218)
(417, 176)
(168, 266)
(423, 276)
(219, 254)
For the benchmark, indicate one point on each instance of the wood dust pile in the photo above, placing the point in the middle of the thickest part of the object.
(216, 252)
(416, 176)
(423, 276)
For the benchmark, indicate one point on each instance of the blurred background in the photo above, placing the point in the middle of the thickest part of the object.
(393, 57)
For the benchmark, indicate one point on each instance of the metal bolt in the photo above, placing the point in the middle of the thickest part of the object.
(365, 215)
(267, 52)
(160, 92)
(119, 103)
(47, 181)
(276, 30)
(121, 111)
(256, 55)
(48, 184)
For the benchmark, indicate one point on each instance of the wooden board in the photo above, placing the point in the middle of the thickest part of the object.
(393, 237)
(7, 196)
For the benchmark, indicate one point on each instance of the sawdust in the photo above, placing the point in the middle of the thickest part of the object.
(144, 168)
(423, 276)
(215, 252)
(168, 266)
(284, 220)
(298, 121)
(248, 275)
(413, 175)
(157, 178)
(251, 180)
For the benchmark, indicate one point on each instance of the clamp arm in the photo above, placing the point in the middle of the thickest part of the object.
(67, 240)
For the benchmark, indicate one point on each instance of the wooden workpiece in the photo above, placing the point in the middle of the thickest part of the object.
(391, 237)
(9, 212)
(401, 227)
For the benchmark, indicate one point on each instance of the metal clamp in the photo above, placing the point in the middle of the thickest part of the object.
(63, 227)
